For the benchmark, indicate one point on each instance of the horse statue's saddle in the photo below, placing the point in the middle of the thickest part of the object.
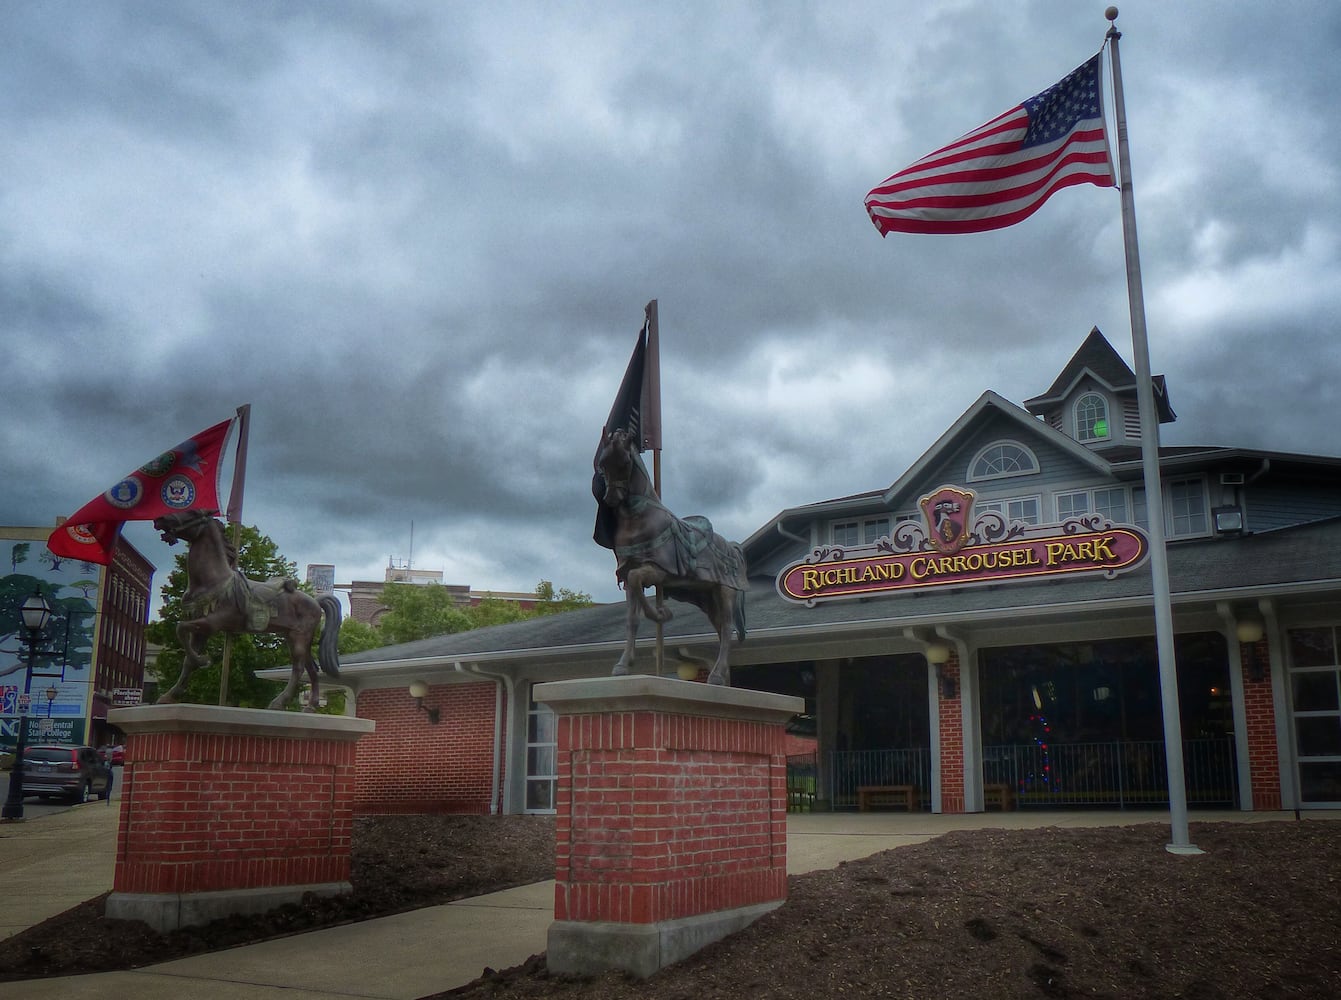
(257, 601)
(686, 548)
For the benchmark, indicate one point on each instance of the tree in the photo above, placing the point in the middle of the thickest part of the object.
(355, 637)
(553, 602)
(258, 559)
(417, 611)
(18, 554)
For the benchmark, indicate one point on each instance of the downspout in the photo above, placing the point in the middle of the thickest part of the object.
(795, 538)
(499, 798)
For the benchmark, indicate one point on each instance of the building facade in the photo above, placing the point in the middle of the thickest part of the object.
(977, 634)
(91, 655)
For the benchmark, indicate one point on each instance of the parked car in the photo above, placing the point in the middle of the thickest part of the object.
(114, 756)
(73, 772)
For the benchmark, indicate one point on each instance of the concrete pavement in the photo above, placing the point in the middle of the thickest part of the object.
(51, 863)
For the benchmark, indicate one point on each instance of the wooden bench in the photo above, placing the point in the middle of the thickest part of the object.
(1000, 796)
(874, 796)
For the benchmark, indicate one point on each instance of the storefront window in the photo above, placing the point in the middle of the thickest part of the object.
(541, 758)
(1315, 691)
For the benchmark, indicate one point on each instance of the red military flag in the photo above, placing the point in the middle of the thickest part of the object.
(1002, 172)
(185, 477)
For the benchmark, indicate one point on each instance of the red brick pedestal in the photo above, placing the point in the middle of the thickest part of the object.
(230, 810)
(672, 818)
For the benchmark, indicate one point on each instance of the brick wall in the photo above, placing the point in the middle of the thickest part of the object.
(1260, 713)
(410, 765)
(663, 816)
(951, 741)
(208, 812)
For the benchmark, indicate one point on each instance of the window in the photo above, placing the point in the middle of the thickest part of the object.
(1026, 509)
(1072, 505)
(849, 534)
(1002, 459)
(541, 758)
(1185, 510)
(1110, 503)
(1092, 418)
(1187, 507)
(845, 533)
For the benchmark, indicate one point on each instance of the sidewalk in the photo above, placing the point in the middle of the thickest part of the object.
(53, 862)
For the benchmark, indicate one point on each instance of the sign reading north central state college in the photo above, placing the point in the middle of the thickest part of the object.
(951, 547)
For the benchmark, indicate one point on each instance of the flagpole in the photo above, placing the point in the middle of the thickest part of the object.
(235, 522)
(1145, 396)
(650, 420)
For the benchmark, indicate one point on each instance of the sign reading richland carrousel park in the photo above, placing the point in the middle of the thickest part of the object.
(951, 547)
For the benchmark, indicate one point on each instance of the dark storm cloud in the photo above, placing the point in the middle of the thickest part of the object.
(418, 238)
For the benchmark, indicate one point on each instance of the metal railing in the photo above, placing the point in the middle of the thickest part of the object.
(850, 770)
(1117, 773)
(802, 772)
(1114, 774)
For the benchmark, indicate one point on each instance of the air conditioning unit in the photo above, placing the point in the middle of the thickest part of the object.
(1231, 479)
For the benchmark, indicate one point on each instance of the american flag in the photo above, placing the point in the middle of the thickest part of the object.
(1000, 173)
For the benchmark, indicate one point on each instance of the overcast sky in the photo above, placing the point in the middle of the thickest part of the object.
(418, 239)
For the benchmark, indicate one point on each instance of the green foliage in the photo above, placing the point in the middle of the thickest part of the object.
(553, 602)
(259, 559)
(355, 637)
(418, 611)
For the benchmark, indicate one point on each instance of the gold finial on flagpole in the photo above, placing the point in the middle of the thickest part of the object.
(1111, 13)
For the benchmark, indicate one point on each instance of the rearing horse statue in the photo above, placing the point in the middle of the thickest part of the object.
(219, 598)
(690, 561)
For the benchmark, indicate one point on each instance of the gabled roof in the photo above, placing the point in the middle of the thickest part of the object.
(1096, 358)
(990, 403)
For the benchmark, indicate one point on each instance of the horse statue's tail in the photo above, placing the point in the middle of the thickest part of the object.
(328, 650)
(740, 616)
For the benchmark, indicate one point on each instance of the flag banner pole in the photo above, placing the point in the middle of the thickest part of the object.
(1145, 395)
(235, 524)
(651, 438)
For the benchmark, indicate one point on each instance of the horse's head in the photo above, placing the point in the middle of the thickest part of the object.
(182, 524)
(615, 463)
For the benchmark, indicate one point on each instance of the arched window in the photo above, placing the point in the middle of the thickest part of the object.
(1092, 418)
(1002, 459)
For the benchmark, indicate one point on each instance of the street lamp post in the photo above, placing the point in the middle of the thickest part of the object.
(35, 613)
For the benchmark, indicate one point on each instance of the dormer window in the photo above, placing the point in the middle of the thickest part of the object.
(1092, 418)
(1000, 460)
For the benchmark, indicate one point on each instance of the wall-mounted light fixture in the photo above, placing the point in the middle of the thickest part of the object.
(1228, 520)
(418, 690)
(938, 655)
(689, 667)
(1249, 632)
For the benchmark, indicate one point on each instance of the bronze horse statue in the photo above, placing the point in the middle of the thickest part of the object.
(690, 561)
(219, 598)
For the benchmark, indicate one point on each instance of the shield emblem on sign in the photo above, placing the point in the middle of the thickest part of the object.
(948, 514)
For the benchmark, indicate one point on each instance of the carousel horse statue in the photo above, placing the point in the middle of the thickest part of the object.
(690, 561)
(219, 598)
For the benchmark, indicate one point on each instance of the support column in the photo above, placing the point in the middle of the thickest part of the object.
(230, 810)
(671, 825)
